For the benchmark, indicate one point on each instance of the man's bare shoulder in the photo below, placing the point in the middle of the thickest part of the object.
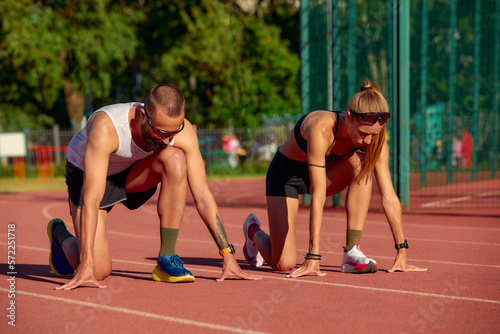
(101, 131)
(187, 139)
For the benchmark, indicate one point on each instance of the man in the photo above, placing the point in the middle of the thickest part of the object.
(121, 155)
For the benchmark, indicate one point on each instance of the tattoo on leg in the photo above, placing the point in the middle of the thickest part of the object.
(220, 234)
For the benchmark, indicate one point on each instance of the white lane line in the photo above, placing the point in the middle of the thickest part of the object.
(300, 280)
(447, 227)
(390, 258)
(443, 203)
(47, 215)
(326, 217)
(149, 264)
(305, 250)
(299, 250)
(137, 313)
(48, 207)
(385, 223)
(388, 237)
(305, 232)
(45, 212)
(416, 293)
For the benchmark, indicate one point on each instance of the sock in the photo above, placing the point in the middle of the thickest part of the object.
(168, 237)
(61, 234)
(352, 239)
(252, 229)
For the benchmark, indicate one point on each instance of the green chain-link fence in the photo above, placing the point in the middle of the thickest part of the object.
(442, 88)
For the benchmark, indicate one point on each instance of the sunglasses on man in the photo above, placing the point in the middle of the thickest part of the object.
(372, 117)
(160, 133)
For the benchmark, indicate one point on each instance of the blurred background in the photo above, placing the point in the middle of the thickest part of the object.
(250, 68)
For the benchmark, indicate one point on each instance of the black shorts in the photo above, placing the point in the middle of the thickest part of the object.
(287, 177)
(113, 194)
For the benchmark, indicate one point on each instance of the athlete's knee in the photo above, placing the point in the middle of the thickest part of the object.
(284, 264)
(102, 271)
(174, 162)
(355, 163)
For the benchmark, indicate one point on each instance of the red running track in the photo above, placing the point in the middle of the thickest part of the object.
(459, 293)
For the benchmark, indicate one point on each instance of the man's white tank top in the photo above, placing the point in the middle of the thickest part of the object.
(127, 153)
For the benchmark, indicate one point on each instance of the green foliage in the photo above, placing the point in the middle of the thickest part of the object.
(246, 169)
(100, 41)
(30, 45)
(6, 171)
(233, 66)
(241, 67)
(15, 118)
(30, 71)
(42, 47)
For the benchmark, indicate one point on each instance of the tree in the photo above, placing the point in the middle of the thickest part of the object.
(30, 70)
(53, 46)
(232, 65)
(241, 68)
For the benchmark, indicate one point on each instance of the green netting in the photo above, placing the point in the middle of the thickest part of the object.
(362, 50)
(454, 86)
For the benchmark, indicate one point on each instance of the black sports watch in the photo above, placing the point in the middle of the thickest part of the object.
(403, 245)
(229, 249)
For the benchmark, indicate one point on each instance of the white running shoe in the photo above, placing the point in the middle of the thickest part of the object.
(250, 251)
(354, 261)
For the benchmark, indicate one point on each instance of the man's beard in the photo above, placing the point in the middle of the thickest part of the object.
(154, 144)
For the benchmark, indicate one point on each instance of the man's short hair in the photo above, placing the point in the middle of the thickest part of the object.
(166, 98)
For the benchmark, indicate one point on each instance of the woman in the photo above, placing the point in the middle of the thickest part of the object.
(325, 153)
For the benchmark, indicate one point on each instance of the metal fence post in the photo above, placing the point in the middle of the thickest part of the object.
(424, 40)
(28, 158)
(452, 69)
(351, 62)
(336, 94)
(401, 123)
(56, 134)
(477, 63)
(496, 61)
(304, 57)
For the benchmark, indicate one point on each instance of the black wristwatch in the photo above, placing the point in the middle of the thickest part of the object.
(229, 249)
(403, 245)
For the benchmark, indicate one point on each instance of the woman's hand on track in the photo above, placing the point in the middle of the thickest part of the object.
(308, 267)
(401, 264)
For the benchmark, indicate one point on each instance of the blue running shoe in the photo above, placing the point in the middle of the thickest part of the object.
(58, 262)
(170, 269)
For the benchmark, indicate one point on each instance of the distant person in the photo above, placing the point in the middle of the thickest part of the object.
(121, 155)
(233, 147)
(467, 148)
(267, 151)
(326, 152)
(225, 143)
(456, 157)
(437, 152)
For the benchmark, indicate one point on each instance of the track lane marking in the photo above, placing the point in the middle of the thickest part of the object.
(137, 313)
(146, 209)
(417, 293)
(443, 203)
(305, 250)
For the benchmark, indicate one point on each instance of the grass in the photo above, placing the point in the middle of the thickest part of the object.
(12, 185)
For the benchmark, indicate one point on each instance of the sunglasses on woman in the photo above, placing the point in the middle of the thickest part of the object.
(160, 133)
(372, 117)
